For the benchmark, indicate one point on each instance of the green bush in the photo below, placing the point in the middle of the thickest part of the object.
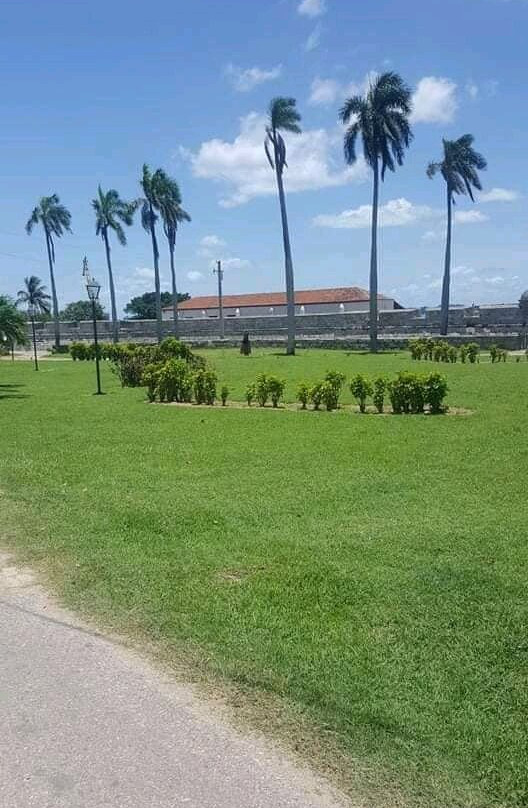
(435, 390)
(175, 381)
(262, 389)
(473, 350)
(303, 394)
(407, 393)
(224, 393)
(329, 396)
(380, 388)
(452, 353)
(78, 351)
(130, 360)
(361, 388)
(494, 353)
(60, 349)
(416, 347)
(150, 380)
(463, 350)
(251, 392)
(316, 395)
(276, 389)
(441, 351)
(204, 385)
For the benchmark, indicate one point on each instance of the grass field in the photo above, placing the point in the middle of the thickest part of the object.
(369, 572)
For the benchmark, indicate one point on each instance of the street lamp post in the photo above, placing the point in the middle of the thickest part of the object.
(93, 288)
(31, 315)
(220, 273)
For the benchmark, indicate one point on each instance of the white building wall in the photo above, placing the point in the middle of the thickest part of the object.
(387, 304)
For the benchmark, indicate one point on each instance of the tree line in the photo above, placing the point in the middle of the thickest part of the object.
(379, 119)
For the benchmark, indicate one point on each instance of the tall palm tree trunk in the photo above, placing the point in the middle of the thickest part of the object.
(175, 324)
(373, 283)
(288, 266)
(115, 322)
(155, 253)
(55, 302)
(446, 283)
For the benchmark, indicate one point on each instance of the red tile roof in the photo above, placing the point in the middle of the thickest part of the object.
(348, 294)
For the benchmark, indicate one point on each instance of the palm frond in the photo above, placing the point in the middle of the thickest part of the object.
(283, 115)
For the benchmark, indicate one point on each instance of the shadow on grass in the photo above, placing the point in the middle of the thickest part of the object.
(11, 391)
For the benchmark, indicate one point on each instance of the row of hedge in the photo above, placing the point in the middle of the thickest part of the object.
(441, 351)
(407, 393)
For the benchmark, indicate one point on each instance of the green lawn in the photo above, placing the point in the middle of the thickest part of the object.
(370, 572)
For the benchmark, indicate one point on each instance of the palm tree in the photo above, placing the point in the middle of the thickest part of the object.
(149, 204)
(459, 168)
(169, 200)
(111, 212)
(55, 220)
(381, 117)
(36, 298)
(283, 116)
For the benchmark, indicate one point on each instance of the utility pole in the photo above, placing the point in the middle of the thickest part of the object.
(220, 273)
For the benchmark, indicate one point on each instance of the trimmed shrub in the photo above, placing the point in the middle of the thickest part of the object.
(204, 386)
(473, 351)
(361, 388)
(329, 396)
(452, 353)
(316, 395)
(463, 350)
(407, 393)
(224, 393)
(276, 389)
(435, 390)
(175, 381)
(78, 351)
(494, 353)
(130, 360)
(59, 349)
(150, 380)
(303, 394)
(441, 351)
(380, 388)
(251, 392)
(262, 389)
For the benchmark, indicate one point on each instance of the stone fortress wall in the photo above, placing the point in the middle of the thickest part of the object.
(488, 324)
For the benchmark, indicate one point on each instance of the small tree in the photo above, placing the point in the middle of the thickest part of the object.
(303, 394)
(361, 388)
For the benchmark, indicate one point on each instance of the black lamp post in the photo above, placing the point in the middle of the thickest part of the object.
(31, 315)
(93, 288)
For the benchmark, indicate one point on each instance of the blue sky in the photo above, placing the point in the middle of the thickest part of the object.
(91, 90)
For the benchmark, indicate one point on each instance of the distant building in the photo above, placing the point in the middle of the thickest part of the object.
(309, 301)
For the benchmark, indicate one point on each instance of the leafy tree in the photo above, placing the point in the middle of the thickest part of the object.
(381, 118)
(82, 310)
(169, 203)
(12, 323)
(149, 205)
(283, 117)
(55, 220)
(111, 213)
(143, 307)
(459, 168)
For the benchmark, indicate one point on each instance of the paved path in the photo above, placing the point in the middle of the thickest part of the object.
(85, 723)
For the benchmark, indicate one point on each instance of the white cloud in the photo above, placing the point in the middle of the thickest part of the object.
(470, 217)
(144, 273)
(212, 241)
(431, 235)
(314, 161)
(395, 213)
(434, 100)
(194, 276)
(472, 89)
(312, 8)
(324, 91)
(235, 263)
(499, 195)
(245, 80)
(313, 39)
